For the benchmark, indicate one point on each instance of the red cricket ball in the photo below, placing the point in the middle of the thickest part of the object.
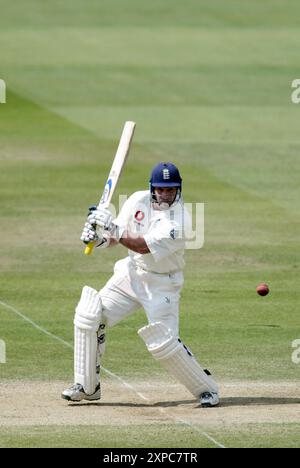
(262, 289)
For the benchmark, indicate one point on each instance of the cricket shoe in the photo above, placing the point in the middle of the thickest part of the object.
(76, 393)
(209, 399)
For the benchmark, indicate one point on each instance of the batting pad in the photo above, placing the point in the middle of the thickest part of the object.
(86, 324)
(177, 359)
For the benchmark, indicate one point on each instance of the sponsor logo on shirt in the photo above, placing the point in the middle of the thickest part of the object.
(139, 216)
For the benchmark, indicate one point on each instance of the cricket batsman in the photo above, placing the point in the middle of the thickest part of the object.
(153, 225)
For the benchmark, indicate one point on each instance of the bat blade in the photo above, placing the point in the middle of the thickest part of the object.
(116, 170)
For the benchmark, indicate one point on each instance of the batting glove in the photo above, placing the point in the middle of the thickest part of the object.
(89, 234)
(92, 208)
(94, 216)
(101, 217)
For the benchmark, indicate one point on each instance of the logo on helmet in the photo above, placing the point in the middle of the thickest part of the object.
(166, 174)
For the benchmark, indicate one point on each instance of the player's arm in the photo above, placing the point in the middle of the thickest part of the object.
(134, 242)
(113, 242)
(103, 219)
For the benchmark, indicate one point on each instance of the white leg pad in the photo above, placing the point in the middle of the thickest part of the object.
(86, 324)
(177, 359)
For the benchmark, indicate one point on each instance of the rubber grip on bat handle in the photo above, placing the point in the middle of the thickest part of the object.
(89, 248)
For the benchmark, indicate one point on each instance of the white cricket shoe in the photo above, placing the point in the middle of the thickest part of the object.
(209, 399)
(76, 393)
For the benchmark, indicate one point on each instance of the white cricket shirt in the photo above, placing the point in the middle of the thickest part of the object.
(165, 232)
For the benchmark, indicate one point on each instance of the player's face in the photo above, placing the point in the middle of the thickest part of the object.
(165, 194)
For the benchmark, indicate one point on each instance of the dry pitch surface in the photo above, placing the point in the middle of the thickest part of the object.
(39, 403)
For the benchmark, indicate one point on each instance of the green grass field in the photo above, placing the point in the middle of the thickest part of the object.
(210, 89)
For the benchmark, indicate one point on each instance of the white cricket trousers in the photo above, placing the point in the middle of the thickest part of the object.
(131, 288)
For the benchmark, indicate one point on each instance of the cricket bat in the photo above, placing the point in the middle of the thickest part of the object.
(115, 172)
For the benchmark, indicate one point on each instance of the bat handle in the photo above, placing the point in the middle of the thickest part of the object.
(89, 248)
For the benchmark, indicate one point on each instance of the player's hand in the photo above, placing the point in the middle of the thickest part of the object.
(92, 208)
(101, 217)
(89, 234)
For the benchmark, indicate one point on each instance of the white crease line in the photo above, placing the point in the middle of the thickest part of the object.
(127, 385)
(193, 427)
(43, 330)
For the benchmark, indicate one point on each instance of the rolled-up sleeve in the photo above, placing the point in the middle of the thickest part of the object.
(164, 239)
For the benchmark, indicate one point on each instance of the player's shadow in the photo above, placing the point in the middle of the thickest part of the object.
(225, 402)
(158, 404)
(258, 401)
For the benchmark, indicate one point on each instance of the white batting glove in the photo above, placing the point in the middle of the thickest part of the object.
(89, 234)
(103, 242)
(101, 217)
